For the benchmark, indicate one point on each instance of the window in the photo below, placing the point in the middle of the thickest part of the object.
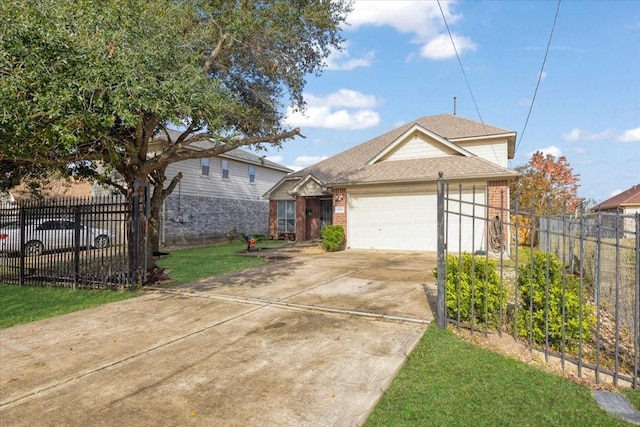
(252, 174)
(204, 167)
(225, 169)
(286, 216)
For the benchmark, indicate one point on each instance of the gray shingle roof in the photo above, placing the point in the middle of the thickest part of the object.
(235, 154)
(350, 166)
(629, 197)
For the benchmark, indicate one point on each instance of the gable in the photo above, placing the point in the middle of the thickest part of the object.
(419, 143)
(420, 146)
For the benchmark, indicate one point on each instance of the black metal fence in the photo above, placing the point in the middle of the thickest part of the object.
(68, 242)
(567, 286)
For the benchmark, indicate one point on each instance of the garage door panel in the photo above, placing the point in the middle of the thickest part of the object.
(409, 222)
(402, 222)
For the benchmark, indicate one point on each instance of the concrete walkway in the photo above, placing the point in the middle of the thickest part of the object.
(310, 340)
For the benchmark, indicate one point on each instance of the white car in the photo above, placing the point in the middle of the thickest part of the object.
(50, 234)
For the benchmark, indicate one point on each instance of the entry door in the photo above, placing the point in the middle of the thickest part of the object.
(326, 212)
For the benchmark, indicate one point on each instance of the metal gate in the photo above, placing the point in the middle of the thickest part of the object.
(71, 242)
(566, 285)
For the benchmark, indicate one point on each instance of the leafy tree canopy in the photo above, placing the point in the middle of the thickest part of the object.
(84, 80)
(547, 185)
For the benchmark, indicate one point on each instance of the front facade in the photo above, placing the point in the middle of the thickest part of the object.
(383, 192)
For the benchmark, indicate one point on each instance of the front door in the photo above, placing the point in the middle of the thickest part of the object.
(326, 212)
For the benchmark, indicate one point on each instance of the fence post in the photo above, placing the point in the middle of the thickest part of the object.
(636, 321)
(441, 311)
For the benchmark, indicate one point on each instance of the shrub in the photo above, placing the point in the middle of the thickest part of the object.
(332, 237)
(473, 290)
(533, 284)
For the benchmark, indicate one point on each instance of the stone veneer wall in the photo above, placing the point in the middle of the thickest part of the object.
(191, 219)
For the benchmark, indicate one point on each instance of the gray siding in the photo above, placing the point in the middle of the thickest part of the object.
(237, 186)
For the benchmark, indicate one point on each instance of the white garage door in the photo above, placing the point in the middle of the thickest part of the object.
(408, 221)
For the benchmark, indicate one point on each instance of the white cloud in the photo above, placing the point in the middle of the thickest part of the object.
(615, 192)
(421, 19)
(342, 60)
(631, 135)
(553, 150)
(542, 75)
(302, 162)
(577, 134)
(441, 47)
(275, 159)
(344, 109)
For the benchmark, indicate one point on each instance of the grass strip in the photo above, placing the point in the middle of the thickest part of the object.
(449, 382)
(23, 304)
(192, 264)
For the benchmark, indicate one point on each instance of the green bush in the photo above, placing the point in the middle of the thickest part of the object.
(533, 281)
(473, 290)
(332, 237)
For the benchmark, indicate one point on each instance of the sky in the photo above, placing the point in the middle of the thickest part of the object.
(398, 64)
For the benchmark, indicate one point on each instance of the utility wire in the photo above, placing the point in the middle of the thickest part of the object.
(535, 92)
(461, 67)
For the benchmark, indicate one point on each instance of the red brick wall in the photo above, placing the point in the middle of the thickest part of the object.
(313, 220)
(301, 223)
(273, 219)
(498, 201)
(340, 200)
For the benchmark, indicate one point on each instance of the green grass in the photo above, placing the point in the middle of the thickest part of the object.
(193, 264)
(449, 382)
(23, 304)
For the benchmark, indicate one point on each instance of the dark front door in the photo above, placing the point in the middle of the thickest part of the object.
(326, 212)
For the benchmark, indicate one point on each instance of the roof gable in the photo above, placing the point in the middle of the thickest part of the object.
(418, 143)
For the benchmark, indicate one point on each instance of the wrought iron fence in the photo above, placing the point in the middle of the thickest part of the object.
(567, 286)
(67, 242)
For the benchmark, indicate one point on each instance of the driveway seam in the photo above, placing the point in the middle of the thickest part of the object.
(284, 304)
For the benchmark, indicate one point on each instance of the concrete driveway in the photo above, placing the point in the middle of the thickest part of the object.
(311, 339)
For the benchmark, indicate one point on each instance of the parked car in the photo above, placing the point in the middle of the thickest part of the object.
(50, 234)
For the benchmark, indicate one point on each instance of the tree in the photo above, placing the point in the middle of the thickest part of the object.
(547, 186)
(94, 83)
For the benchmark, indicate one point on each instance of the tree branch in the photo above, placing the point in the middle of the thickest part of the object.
(208, 64)
(176, 179)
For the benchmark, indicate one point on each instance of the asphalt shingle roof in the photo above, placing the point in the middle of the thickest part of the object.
(628, 197)
(350, 166)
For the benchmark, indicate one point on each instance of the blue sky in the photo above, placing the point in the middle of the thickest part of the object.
(398, 64)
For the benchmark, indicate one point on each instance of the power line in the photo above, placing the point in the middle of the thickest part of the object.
(473, 98)
(544, 61)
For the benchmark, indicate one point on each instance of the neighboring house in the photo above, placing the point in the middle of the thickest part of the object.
(626, 203)
(384, 191)
(218, 194)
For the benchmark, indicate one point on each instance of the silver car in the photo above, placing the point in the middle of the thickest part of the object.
(50, 234)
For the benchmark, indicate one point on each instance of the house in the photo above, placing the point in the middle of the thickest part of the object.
(627, 204)
(218, 194)
(384, 191)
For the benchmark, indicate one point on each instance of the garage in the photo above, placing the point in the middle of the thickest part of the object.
(402, 218)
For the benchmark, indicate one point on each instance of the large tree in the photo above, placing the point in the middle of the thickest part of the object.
(95, 82)
(547, 186)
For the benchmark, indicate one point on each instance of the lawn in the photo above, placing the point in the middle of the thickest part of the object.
(192, 264)
(23, 304)
(449, 382)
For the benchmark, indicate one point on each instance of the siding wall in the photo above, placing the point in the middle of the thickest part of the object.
(493, 150)
(237, 186)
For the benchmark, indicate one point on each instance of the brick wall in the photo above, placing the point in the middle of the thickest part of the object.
(498, 206)
(191, 219)
(340, 203)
